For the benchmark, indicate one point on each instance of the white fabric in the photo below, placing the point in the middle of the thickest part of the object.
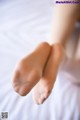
(23, 25)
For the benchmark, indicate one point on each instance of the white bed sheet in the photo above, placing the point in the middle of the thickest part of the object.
(23, 25)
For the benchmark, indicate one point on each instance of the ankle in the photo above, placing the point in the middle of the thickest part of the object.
(58, 51)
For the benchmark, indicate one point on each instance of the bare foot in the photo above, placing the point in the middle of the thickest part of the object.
(44, 87)
(29, 70)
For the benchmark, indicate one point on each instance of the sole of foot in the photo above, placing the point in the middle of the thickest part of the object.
(29, 70)
(44, 87)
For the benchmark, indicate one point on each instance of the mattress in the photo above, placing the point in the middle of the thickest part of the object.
(23, 25)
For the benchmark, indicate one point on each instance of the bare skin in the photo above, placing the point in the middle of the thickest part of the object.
(40, 68)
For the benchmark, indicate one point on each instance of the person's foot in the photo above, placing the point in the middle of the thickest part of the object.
(44, 87)
(30, 69)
